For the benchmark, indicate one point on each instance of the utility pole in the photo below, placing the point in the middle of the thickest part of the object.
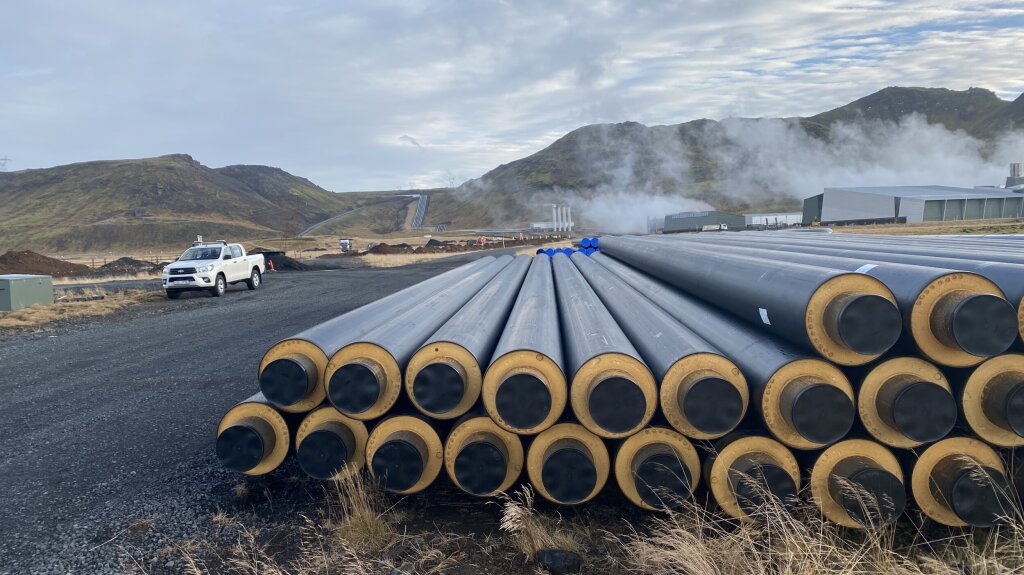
(3, 163)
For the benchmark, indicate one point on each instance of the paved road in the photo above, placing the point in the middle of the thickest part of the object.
(112, 420)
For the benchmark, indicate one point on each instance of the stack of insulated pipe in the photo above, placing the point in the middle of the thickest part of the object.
(804, 402)
(879, 372)
(1007, 273)
(291, 373)
(613, 394)
(910, 443)
(953, 317)
(992, 401)
(290, 415)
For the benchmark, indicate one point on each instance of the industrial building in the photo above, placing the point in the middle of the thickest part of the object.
(694, 221)
(774, 219)
(911, 204)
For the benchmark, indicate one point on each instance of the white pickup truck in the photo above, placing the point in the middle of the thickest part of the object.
(211, 266)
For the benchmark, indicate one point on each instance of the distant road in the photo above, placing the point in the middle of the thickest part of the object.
(352, 211)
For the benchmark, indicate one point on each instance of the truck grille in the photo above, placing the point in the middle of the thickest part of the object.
(183, 271)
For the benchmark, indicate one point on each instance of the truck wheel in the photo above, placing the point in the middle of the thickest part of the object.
(220, 285)
(254, 280)
(173, 293)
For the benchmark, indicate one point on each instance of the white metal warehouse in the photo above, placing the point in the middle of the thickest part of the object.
(911, 204)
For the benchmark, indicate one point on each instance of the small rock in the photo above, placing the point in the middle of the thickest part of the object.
(559, 561)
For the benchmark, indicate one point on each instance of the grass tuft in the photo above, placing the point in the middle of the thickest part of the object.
(532, 531)
(91, 302)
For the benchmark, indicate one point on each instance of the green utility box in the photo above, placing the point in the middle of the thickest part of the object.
(19, 291)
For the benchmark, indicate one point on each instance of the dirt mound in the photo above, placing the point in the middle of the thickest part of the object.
(32, 263)
(281, 261)
(127, 265)
(432, 243)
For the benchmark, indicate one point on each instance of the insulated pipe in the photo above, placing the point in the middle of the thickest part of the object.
(657, 468)
(805, 402)
(329, 445)
(364, 378)
(567, 464)
(702, 393)
(444, 377)
(253, 437)
(900, 245)
(404, 454)
(524, 388)
(955, 318)
(858, 483)
(962, 482)
(481, 458)
(613, 393)
(1009, 278)
(848, 318)
(291, 373)
(992, 399)
(906, 402)
(748, 473)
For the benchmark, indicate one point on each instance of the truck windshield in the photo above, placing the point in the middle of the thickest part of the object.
(200, 254)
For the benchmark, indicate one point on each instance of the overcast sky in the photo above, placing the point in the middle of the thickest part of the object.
(389, 95)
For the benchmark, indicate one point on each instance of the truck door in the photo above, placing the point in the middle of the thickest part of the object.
(239, 267)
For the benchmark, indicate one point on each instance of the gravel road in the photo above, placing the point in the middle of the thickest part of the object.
(107, 426)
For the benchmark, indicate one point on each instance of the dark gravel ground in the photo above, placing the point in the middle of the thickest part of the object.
(107, 425)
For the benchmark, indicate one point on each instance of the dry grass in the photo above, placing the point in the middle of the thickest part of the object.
(532, 531)
(105, 279)
(356, 515)
(240, 491)
(107, 303)
(695, 541)
(346, 537)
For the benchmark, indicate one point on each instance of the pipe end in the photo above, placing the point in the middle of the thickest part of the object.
(523, 401)
(764, 481)
(285, 381)
(980, 496)
(925, 412)
(568, 475)
(322, 454)
(1014, 410)
(822, 413)
(240, 448)
(662, 481)
(984, 325)
(712, 405)
(869, 324)
(617, 404)
(354, 388)
(397, 465)
(874, 497)
(480, 468)
(438, 388)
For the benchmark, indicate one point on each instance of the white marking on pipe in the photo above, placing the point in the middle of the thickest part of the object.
(764, 315)
(865, 268)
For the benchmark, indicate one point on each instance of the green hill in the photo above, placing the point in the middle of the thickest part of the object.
(95, 206)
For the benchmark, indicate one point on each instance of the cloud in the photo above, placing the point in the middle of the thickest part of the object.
(321, 89)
